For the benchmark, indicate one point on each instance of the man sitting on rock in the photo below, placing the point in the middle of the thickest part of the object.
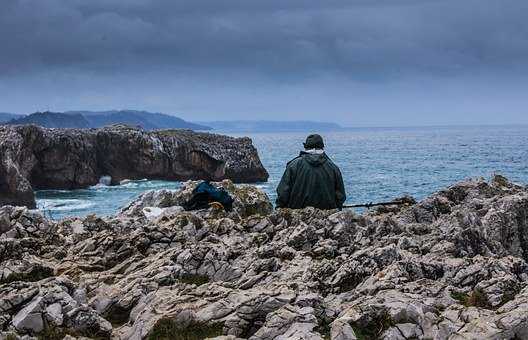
(311, 180)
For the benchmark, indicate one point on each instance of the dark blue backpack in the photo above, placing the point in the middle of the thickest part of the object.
(206, 193)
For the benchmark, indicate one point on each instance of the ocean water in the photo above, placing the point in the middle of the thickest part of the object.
(378, 164)
(99, 199)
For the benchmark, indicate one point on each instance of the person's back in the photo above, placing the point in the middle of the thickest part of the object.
(311, 180)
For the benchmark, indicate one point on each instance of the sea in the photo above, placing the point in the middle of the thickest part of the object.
(378, 164)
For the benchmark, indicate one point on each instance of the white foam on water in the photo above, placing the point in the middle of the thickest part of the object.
(136, 184)
(128, 182)
(102, 187)
(63, 204)
(55, 191)
(105, 180)
(98, 186)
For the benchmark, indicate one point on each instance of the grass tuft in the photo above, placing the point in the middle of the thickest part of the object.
(51, 333)
(168, 329)
(477, 298)
(459, 296)
(194, 279)
(36, 274)
(375, 327)
(323, 328)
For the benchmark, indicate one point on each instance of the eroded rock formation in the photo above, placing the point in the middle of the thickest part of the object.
(37, 158)
(452, 266)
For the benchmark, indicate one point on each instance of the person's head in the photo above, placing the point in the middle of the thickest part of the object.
(314, 141)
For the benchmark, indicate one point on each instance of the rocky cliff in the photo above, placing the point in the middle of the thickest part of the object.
(38, 158)
(452, 266)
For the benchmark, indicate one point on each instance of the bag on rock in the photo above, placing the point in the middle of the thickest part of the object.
(205, 194)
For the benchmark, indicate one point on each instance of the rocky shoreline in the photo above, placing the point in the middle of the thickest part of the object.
(452, 266)
(33, 158)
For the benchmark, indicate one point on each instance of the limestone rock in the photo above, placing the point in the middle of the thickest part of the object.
(29, 319)
(452, 266)
(39, 158)
(248, 200)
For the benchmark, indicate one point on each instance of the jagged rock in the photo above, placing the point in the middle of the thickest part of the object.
(49, 304)
(341, 330)
(38, 158)
(29, 319)
(54, 314)
(153, 198)
(248, 200)
(29, 268)
(452, 266)
(84, 320)
(19, 222)
(289, 322)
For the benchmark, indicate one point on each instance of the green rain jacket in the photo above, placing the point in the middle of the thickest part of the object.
(311, 180)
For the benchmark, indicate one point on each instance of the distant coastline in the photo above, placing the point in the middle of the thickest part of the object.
(5, 117)
(96, 119)
(273, 126)
(158, 121)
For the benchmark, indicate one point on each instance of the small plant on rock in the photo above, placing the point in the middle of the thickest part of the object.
(168, 329)
(375, 327)
(476, 298)
(323, 328)
(507, 297)
(52, 333)
(460, 296)
(36, 274)
(195, 279)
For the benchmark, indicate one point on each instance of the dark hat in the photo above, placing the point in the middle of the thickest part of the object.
(314, 142)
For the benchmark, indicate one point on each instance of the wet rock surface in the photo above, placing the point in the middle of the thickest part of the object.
(33, 158)
(452, 266)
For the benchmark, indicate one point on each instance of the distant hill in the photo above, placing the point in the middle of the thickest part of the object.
(52, 120)
(90, 119)
(273, 126)
(147, 120)
(4, 117)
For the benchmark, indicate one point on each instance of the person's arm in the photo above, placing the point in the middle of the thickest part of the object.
(340, 189)
(284, 188)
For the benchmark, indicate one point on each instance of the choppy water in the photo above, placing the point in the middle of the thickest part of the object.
(377, 164)
(99, 199)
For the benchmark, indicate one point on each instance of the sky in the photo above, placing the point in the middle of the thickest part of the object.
(354, 62)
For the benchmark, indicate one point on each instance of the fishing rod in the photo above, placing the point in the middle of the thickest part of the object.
(401, 201)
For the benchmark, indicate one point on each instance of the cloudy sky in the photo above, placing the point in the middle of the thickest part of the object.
(356, 62)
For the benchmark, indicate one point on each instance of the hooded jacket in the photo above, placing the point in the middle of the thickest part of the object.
(311, 180)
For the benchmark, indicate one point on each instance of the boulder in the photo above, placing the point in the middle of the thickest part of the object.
(248, 200)
(29, 319)
(47, 307)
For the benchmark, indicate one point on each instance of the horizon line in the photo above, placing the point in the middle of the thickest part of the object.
(342, 126)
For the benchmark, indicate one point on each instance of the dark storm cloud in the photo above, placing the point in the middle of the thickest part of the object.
(276, 38)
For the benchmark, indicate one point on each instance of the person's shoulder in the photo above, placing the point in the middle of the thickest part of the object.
(330, 162)
(295, 160)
